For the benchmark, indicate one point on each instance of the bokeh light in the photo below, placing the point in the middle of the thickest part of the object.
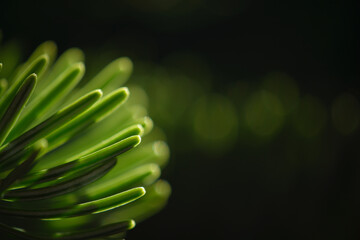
(215, 123)
(264, 113)
(284, 87)
(310, 118)
(346, 113)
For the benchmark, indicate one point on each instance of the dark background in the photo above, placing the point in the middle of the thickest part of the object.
(252, 190)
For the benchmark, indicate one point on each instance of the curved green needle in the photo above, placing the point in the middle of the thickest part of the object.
(60, 118)
(16, 106)
(93, 207)
(64, 185)
(49, 97)
(85, 161)
(37, 67)
(100, 110)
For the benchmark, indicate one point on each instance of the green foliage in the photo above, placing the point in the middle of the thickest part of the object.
(70, 152)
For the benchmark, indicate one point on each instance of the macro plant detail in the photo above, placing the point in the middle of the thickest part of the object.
(71, 162)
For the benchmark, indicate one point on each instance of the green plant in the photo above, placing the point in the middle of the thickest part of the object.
(71, 166)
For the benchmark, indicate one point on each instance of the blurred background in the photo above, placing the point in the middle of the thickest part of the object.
(259, 102)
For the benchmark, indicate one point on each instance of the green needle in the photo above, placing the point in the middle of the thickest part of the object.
(16, 106)
(60, 118)
(49, 97)
(92, 207)
(37, 67)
